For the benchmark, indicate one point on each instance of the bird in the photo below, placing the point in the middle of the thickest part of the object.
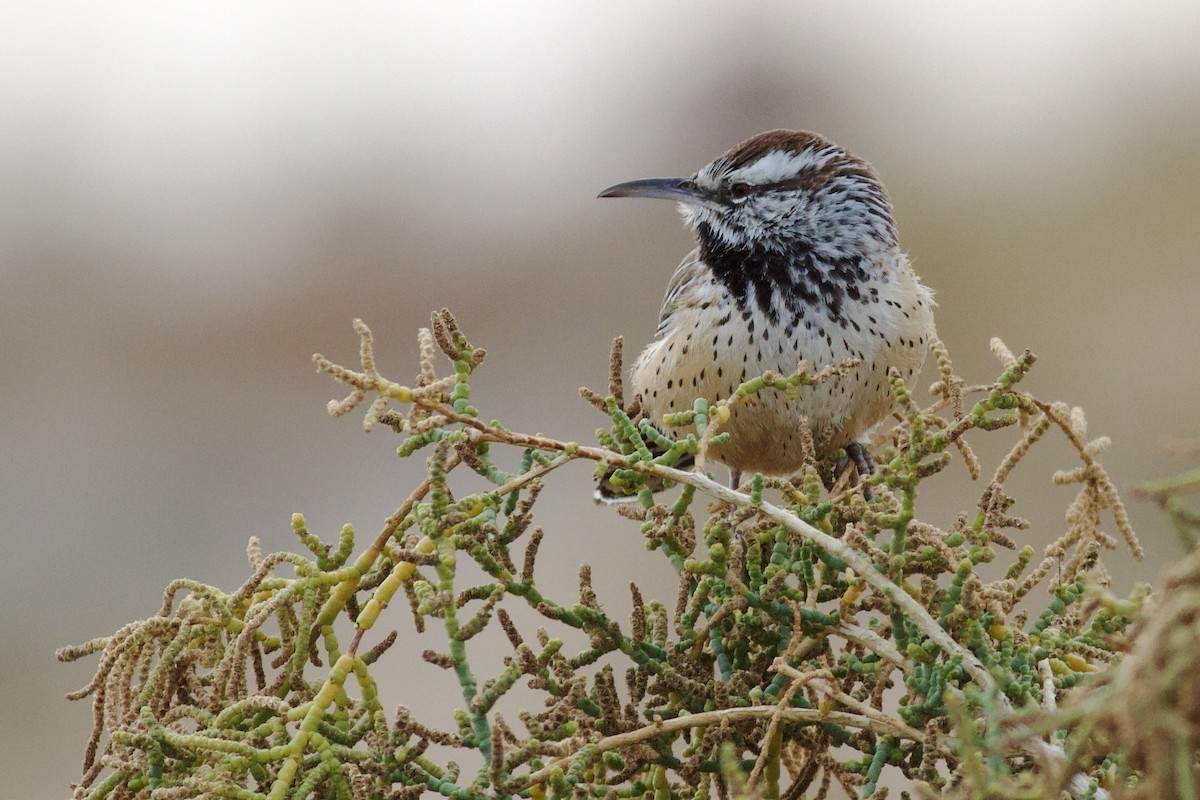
(797, 258)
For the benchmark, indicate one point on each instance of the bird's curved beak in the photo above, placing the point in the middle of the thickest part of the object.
(682, 190)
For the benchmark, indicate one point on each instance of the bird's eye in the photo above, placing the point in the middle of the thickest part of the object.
(740, 191)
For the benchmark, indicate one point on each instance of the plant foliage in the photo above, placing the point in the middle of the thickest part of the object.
(820, 638)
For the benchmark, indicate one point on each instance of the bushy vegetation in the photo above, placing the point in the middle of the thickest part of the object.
(824, 635)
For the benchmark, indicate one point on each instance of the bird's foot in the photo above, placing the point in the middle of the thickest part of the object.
(864, 465)
(864, 462)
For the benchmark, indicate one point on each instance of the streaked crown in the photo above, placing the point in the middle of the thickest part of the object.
(787, 222)
(783, 189)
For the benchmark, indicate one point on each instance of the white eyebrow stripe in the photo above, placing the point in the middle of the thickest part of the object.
(778, 165)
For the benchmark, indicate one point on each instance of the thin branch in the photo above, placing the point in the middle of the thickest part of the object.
(864, 568)
(722, 716)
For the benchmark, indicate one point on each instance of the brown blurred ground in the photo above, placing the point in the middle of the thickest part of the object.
(194, 201)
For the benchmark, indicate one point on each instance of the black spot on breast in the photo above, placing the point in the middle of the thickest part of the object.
(756, 275)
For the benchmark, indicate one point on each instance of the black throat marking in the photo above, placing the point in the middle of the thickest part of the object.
(793, 281)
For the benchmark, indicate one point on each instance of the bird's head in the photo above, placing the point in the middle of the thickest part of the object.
(778, 191)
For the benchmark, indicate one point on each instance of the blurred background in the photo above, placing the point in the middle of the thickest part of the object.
(197, 198)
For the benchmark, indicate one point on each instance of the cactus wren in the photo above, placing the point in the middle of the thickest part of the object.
(797, 259)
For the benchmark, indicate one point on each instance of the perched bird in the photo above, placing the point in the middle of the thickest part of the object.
(798, 258)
